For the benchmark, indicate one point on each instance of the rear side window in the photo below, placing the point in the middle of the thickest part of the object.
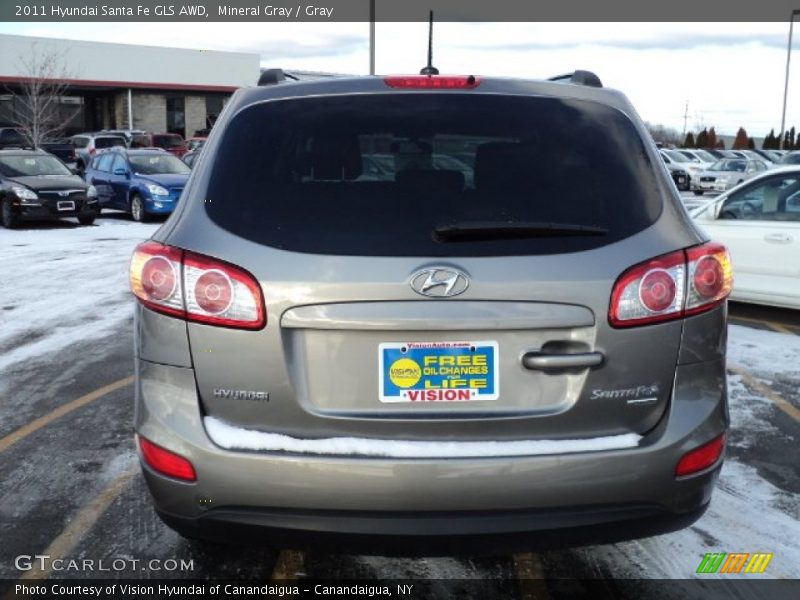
(388, 174)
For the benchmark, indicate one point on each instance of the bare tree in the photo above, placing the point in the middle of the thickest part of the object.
(44, 82)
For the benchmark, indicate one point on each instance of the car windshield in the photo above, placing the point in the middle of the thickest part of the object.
(791, 159)
(158, 164)
(386, 174)
(679, 156)
(705, 156)
(108, 142)
(25, 166)
(729, 164)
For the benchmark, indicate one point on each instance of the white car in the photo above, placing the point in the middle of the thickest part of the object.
(759, 222)
(725, 174)
(692, 166)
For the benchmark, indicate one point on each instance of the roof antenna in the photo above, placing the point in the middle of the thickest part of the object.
(430, 69)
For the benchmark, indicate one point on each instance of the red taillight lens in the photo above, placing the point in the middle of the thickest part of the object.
(92, 151)
(710, 276)
(165, 462)
(196, 287)
(701, 458)
(649, 292)
(657, 290)
(446, 82)
(672, 286)
(155, 273)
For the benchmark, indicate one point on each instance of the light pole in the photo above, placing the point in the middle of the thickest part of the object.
(795, 12)
(372, 37)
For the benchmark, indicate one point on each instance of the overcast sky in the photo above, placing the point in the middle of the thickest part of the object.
(731, 74)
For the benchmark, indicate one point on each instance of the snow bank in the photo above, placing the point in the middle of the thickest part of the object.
(63, 283)
(231, 437)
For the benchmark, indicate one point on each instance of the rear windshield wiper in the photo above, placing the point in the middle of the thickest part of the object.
(468, 231)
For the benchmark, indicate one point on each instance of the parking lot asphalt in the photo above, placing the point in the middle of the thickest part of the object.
(70, 486)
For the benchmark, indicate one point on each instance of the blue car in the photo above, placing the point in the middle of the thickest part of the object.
(143, 183)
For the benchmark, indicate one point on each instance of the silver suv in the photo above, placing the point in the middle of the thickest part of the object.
(533, 352)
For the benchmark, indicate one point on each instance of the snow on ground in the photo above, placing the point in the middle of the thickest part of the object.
(767, 355)
(62, 282)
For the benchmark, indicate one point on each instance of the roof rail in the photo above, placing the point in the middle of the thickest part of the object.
(586, 78)
(273, 76)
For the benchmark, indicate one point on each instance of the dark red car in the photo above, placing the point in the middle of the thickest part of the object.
(171, 142)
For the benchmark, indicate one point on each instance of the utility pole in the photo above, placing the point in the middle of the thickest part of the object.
(372, 37)
(786, 83)
(685, 116)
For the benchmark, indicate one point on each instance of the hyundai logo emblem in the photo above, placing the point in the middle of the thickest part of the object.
(439, 282)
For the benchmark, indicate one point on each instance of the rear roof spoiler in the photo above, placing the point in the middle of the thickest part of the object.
(586, 78)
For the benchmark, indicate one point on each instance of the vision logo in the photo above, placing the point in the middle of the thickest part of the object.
(735, 562)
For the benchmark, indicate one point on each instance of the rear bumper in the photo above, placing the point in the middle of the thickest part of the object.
(568, 499)
(475, 532)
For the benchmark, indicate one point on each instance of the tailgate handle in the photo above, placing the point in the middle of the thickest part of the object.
(542, 361)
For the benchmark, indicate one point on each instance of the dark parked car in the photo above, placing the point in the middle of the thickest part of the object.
(63, 149)
(534, 353)
(35, 185)
(11, 137)
(143, 183)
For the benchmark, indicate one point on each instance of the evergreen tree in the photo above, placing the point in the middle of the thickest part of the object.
(702, 139)
(712, 138)
(740, 142)
(751, 144)
(769, 141)
(689, 141)
(792, 145)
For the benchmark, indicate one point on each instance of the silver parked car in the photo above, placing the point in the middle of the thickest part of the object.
(725, 174)
(88, 144)
(536, 351)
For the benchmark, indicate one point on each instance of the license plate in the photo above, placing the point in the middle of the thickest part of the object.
(65, 205)
(438, 371)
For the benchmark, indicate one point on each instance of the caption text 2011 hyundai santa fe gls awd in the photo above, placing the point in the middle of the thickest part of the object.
(510, 333)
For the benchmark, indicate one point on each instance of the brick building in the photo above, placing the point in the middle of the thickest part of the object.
(123, 86)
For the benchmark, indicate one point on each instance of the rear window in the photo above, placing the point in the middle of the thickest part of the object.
(167, 141)
(396, 174)
(108, 142)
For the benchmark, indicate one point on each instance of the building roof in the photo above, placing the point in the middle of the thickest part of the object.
(105, 65)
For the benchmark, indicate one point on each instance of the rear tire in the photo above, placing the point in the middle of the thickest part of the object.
(7, 216)
(698, 192)
(86, 220)
(137, 209)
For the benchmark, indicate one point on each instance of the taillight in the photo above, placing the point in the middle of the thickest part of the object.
(445, 82)
(195, 287)
(92, 151)
(701, 458)
(710, 277)
(672, 286)
(221, 294)
(165, 462)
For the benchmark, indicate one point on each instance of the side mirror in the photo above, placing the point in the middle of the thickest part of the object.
(74, 171)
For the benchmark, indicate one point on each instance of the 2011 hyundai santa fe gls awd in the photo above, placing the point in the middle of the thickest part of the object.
(534, 353)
